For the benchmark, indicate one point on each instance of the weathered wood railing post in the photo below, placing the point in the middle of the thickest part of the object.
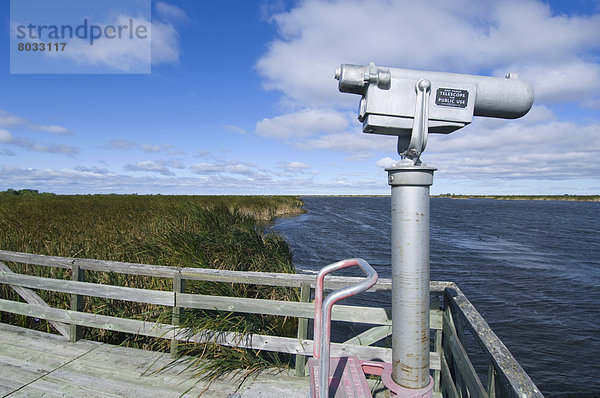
(178, 287)
(460, 332)
(302, 330)
(76, 331)
(491, 381)
(435, 304)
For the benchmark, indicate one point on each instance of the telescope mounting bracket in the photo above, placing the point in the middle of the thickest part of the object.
(411, 147)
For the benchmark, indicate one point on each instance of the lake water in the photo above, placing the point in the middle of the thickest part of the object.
(532, 269)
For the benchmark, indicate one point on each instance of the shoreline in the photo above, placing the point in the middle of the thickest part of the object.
(561, 198)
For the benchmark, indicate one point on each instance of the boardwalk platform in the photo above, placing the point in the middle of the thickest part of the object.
(36, 364)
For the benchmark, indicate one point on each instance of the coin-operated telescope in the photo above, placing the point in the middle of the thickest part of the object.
(411, 103)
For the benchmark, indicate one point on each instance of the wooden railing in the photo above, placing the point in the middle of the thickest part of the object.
(452, 369)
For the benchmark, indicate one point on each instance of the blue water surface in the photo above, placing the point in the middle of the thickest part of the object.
(532, 269)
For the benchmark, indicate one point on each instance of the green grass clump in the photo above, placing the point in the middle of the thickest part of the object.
(185, 231)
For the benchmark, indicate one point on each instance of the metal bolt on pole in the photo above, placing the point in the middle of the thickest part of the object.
(410, 273)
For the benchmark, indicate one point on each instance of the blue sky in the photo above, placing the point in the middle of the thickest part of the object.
(241, 99)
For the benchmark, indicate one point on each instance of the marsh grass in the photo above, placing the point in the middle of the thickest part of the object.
(185, 231)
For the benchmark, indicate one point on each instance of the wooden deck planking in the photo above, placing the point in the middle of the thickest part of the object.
(36, 364)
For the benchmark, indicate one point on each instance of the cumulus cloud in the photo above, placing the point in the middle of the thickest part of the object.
(93, 170)
(165, 44)
(538, 147)
(386, 162)
(170, 12)
(52, 129)
(91, 180)
(159, 44)
(7, 138)
(556, 53)
(120, 143)
(233, 129)
(155, 166)
(47, 148)
(123, 144)
(205, 168)
(8, 120)
(233, 167)
(547, 150)
(303, 123)
(354, 142)
(576, 81)
(294, 167)
(463, 36)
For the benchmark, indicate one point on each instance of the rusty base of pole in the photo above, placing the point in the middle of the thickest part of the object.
(349, 379)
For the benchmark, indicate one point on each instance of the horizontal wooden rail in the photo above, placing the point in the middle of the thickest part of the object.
(200, 274)
(145, 296)
(254, 341)
(368, 315)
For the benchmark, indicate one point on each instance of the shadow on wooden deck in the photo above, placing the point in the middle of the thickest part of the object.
(38, 364)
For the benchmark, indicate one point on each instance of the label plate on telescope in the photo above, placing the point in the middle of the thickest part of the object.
(452, 97)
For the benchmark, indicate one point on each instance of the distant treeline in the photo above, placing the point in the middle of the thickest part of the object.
(22, 192)
(565, 197)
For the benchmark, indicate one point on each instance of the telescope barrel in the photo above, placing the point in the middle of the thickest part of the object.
(506, 98)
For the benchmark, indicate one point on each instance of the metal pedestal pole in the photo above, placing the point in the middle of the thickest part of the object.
(410, 275)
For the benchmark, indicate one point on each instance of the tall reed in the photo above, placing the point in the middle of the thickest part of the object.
(185, 231)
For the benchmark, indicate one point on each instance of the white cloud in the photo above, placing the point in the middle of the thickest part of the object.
(462, 36)
(557, 54)
(126, 55)
(123, 54)
(233, 167)
(159, 166)
(576, 81)
(203, 154)
(592, 104)
(206, 168)
(546, 150)
(93, 170)
(52, 129)
(170, 12)
(351, 142)
(233, 129)
(150, 148)
(303, 123)
(12, 121)
(8, 120)
(294, 167)
(165, 44)
(47, 148)
(120, 143)
(386, 162)
(123, 144)
(92, 180)
(5, 136)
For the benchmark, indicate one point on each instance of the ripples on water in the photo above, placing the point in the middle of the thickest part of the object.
(532, 269)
